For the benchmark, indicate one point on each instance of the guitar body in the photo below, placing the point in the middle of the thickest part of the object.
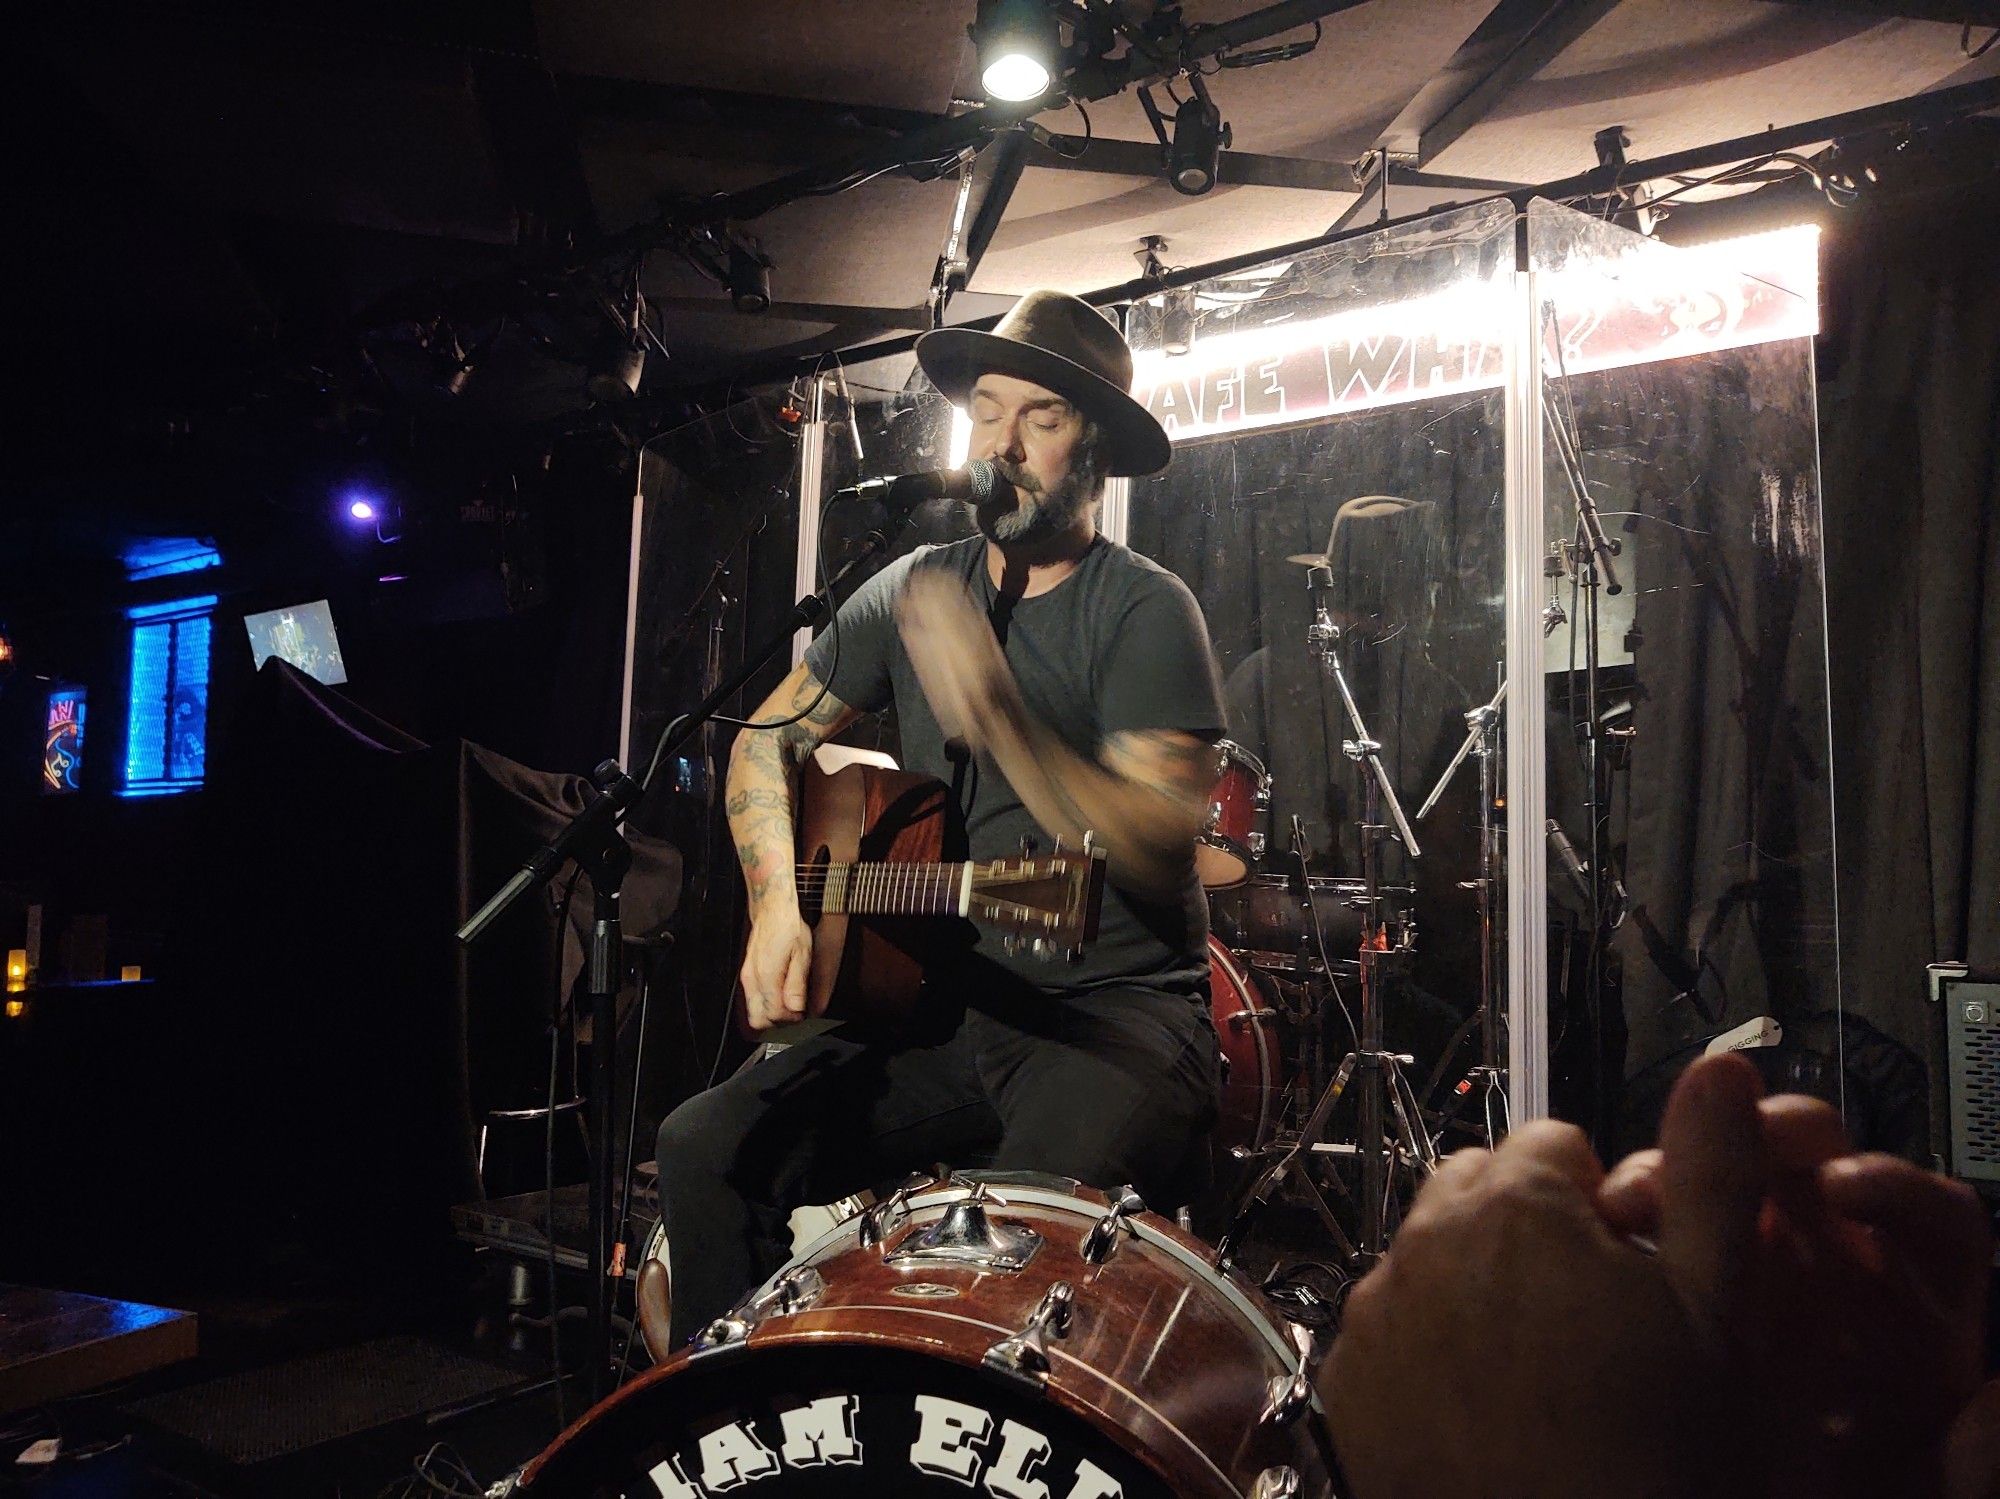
(869, 969)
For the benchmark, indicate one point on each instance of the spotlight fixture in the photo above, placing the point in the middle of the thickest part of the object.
(1196, 153)
(1018, 49)
(615, 375)
(1177, 320)
(361, 508)
(618, 358)
(749, 279)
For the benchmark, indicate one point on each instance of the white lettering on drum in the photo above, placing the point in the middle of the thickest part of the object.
(672, 1482)
(1092, 1482)
(731, 1456)
(948, 1438)
(1012, 1473)
(821, 1433)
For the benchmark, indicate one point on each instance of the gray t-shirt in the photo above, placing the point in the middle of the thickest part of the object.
(1118, 645)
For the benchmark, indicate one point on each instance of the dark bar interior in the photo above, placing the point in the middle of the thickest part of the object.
(1069, 748)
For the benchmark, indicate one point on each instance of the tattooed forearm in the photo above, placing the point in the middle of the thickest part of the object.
(763, 782)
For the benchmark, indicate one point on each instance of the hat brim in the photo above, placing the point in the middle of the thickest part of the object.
(954, 358)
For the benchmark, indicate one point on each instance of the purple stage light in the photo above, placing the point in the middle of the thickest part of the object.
(361, 509)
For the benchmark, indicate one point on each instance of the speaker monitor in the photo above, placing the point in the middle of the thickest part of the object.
(1971, 1016)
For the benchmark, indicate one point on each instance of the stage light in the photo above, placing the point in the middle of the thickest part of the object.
(616, 376)
(1196, 153)
(17, 970)
(749, 280)
(1018, 48)
(361, 509)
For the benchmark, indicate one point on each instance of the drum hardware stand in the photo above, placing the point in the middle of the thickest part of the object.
(592, 838)
(1482, 740)
(1371, 1067)
(1593, 556)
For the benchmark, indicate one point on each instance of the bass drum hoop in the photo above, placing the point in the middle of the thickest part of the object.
(1252, 1001)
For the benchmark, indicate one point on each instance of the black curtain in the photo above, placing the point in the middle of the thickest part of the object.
(1910, 447)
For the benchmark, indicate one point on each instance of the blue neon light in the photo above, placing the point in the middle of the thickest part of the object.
(164, 556)
(166, 731)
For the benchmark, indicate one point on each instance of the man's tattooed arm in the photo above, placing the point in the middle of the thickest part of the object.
(764, 777)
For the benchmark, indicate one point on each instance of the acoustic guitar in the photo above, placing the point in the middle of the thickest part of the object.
(886, 888)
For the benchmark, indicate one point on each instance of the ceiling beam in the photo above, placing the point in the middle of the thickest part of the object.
(1121, 158)
(1957, 12)
(1009, 158)
(1516, 40)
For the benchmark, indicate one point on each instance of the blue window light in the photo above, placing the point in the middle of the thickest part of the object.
(166, 741)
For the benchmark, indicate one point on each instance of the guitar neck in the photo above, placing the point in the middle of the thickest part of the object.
(883, 889)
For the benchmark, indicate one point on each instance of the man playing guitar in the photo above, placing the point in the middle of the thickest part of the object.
(1060, 685)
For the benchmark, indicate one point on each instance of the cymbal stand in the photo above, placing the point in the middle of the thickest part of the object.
(1482, 740)
(1375, 1072)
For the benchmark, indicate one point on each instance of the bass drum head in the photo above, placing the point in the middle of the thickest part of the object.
(834, 1422)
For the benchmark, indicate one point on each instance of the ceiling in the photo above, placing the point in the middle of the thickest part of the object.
(221, 195)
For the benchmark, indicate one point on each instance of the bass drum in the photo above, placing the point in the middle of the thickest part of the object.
(1247, 1028)
(1007, 1334)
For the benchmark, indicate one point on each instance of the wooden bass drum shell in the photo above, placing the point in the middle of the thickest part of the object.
(1156, 1391)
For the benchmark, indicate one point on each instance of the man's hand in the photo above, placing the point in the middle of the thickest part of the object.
(1863, 1296)
(958, 662)
(1511, 1343)
(775, 967)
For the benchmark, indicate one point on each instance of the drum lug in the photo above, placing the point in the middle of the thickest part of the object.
(1103, 1236)
(793, 1291)
(966, 1236)
(1290, 1396)
(1025, 1355)
(874, 1225)
(1276, 1483)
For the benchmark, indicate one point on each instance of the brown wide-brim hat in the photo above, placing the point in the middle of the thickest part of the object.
(1063, 343)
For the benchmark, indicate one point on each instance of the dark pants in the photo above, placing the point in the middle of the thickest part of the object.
(1116, 1087)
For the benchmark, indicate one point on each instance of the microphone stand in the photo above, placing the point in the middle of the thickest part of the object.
(1595, 557)
(1482, 739)
(592, 838)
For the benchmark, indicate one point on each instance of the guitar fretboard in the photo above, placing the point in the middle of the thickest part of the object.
(877, 889)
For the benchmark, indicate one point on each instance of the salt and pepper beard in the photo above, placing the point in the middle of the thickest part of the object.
(1048, 512)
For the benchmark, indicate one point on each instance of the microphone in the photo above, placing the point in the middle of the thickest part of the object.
(904, 492)
(1571, 862)
(1578, 870)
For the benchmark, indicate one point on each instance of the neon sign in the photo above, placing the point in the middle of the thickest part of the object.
(1655, 305)
(62, 743)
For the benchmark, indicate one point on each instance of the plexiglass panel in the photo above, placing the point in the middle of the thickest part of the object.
(1345, 408)
(1677, 413)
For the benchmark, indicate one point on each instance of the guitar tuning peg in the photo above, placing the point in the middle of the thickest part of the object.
(1029, 843)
